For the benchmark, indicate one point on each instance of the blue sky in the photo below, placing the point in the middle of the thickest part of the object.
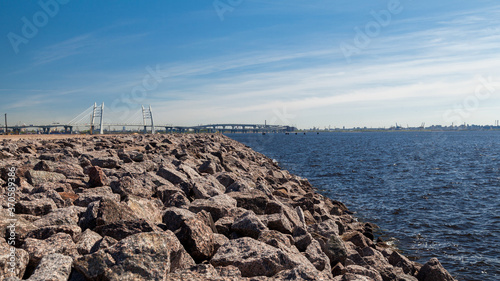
(296, 62)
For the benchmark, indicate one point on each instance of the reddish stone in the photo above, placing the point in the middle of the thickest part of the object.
(97, 177)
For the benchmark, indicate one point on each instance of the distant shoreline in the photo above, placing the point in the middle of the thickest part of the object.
(64, 136)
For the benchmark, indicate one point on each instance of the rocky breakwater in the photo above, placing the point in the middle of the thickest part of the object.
(178, 207)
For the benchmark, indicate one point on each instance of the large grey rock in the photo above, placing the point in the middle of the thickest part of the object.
(253, 200)
(22, 226)
(142, 256)
(199, 272)
(360, 240)
(302, 238)
(90, 195)
(64, 167)
(11, 257)
(61, 216)
(178, 200)
(50, 157)
(279, 222)
(130, 186)
(36, 207)
(301, 215)
(103, 243)
(376, 260)
(230, 272)
(226, 178)
(207, 219)
(137, 156)
(352, 277)
(278, 240)
(302, 273)
(145, 208)
(219, 240)
(398, 260)
(206, 187)
(11, 278)
(39, 177)
(86, 241)
(324, 228)
(190, 172)
(255, 258)
(42, 192)
(292, 216)
(334, 248)
(249, 225)
(70, 170)
(5, 155)
(165, 191)
(209, 167)
(359, 270)
(52, 267)
(434, 271)
(97, 176)
(106, 162)
(171, 174)
(122, 229)
(173, 217)
(114, 219)
(60, 243)
(317, 257)
(47, 231)
(223, 225)
(89, 217)
(197, 238)
(219, 206)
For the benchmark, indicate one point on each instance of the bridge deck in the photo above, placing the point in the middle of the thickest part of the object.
(169, 128)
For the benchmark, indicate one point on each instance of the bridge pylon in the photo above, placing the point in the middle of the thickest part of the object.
(147, 113)
(97, 112)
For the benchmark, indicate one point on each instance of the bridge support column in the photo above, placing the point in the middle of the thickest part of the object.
(97, 112)
(6, 127)
(101, 121)
(147, 113)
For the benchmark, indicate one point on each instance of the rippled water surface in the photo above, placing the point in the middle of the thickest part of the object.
(436, 193)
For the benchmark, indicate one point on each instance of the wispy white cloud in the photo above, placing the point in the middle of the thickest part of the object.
(63, 49)
(421, 68)
(82, 44)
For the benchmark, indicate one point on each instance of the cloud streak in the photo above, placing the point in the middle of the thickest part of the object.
(438, 65)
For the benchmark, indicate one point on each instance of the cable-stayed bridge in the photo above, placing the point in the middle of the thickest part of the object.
(93, 119)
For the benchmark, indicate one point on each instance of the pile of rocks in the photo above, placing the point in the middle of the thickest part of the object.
(180, 207)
